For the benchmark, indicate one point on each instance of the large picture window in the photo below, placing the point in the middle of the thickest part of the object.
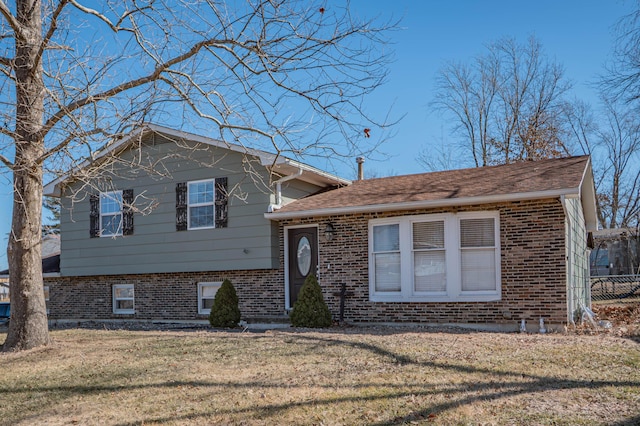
(432, 258)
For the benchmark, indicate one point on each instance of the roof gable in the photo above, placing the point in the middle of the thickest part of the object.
(517, 181)
(278, 164)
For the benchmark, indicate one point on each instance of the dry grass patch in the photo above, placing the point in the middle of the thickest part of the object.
(352, 376)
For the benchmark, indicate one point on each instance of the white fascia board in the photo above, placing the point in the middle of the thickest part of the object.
(588, 198)
(414, 205)
(311, 174)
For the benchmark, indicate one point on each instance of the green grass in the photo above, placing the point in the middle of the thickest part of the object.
(351, 376)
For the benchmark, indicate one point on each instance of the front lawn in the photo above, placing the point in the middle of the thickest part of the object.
(341, 376)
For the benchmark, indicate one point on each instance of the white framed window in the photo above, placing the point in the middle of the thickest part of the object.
(110, 214)
(435, 258)
(123, 299)
(206, 293)
(386, 254)
(201, 204)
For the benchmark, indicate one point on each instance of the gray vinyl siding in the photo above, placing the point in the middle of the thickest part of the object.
(248, 242)
(295, 189)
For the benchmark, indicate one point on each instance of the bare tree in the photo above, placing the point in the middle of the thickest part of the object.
(504, 104)
(614, 147)
(622, 78)
(443, 156)
(285, 75)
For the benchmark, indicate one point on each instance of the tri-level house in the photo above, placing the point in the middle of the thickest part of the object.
(154, 224)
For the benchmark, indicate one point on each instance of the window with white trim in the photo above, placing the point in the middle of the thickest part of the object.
(123, 299)
(206, 293)
(201, 204)
(435, 258)
(110, 214)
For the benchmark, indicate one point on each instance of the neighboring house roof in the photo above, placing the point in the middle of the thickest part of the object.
(568, 177)
(50, 245)
(276, 163)
(50, 256)
(616, 234)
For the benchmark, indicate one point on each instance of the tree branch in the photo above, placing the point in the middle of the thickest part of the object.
(153, 76)
(50, 32)
(12, 21)
(62, 145)
(114, 27)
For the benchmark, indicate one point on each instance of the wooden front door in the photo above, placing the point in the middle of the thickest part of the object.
(303, 259)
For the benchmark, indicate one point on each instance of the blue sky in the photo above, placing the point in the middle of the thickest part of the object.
(576, 33)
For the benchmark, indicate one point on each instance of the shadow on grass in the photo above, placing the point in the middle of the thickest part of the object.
(509, 384)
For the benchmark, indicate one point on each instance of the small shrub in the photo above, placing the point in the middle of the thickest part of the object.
(310, 310)
(225, 311)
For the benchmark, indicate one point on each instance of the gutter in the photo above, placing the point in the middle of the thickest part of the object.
(278, 205)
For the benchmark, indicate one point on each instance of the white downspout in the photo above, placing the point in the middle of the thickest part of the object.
(279, 182)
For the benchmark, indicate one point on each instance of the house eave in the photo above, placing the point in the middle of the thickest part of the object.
(414, 205)
(588, 198)
(310, 174)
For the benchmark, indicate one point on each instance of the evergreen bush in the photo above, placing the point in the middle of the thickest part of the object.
(225, 311)
(310, 310)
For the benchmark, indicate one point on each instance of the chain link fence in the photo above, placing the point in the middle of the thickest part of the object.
(616, 288)
(615, 265)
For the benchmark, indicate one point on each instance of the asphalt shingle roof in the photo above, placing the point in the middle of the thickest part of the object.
(552, 175)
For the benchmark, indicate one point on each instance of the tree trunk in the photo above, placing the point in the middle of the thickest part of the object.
(28, 327)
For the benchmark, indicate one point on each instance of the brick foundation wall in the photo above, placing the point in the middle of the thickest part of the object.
(163, 296)
(532, 257)
(533, 278)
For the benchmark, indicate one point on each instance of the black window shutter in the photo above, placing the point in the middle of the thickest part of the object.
(181, 206)
(94, 216)
(222, 201)
(127, 212)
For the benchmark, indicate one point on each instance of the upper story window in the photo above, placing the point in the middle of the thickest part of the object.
(111, 214)
(201, 204)
(435, 258)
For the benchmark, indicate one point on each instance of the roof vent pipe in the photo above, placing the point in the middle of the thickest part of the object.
(360, 161)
